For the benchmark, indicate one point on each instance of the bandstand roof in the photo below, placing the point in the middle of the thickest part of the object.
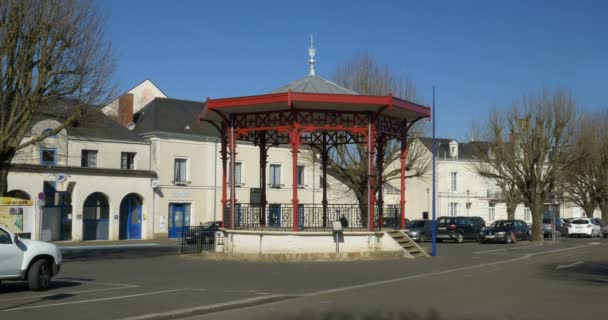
(388, 105)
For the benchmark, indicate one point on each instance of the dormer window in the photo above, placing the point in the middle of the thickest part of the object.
(454, 150)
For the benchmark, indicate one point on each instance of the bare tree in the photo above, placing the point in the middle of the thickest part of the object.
(582, 183)
(50, 50)
(601, 161)
(511, 197)
(528, 147)
(348, 163)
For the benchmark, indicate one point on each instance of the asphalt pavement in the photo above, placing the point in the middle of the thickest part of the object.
(468, 281)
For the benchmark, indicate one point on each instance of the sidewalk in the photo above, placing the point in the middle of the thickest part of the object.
(117, 243)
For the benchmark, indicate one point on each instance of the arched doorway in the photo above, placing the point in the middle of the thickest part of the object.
(130, 217)
(19, 194)
(95, 217)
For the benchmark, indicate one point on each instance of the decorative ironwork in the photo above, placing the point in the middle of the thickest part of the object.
(196, 239)
(391, 126)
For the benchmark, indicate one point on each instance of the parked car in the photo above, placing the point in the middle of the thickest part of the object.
(459, 228)
(506, 231)
(584, 227)
(27, 260)
(560, 227)
(605, 230)
(205, 232)
(419, 230)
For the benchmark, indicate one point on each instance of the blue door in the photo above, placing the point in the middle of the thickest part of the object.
(130, 218)
(179, 218)
(301, 216)
(274, 215)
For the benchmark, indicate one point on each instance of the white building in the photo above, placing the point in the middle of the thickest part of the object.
(92, 179)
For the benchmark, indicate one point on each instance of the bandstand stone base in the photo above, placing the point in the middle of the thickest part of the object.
(279, 246)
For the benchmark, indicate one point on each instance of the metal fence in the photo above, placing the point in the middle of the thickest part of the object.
(196, 239)
(279, 217)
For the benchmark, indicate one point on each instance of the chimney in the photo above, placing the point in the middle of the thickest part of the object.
(125, 109)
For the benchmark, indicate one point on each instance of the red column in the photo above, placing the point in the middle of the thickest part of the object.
(224, 157)
(232, 144)
(380, 143)
(295, 144)
(371, 142)
(402, 159)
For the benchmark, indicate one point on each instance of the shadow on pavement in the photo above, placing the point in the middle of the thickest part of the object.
(22, 286)
(85, 254)
(591, 272)
(371, 315)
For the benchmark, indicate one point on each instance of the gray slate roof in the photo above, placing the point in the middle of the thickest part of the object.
(93, 123)
(466, 150)
(313, 84)
(173, 116)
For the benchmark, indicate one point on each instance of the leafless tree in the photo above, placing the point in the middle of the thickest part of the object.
(50, 50)
(529, 148)
(349, 163)
(582, 183)
(601, 158)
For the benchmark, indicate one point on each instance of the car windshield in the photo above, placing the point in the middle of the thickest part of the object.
(580, 221)
(416, 224)
(501, 224)
(207, 224)
(546, 220)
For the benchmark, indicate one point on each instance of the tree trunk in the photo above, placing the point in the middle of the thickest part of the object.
(511, 211)
(4, 168)
(537, 221)
(604, 210)
(363, 212)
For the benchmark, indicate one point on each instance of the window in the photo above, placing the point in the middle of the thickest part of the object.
(127, 160)
(238, 173)
(180, 176)
(48, 156)
(492, 213)
(453, 208)
(300, 176)
(48, 131)
(454, 181)
(5, 238)
(89, 159)
(527, 214)
(275, 175)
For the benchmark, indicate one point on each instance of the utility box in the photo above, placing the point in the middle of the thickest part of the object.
(219, 241)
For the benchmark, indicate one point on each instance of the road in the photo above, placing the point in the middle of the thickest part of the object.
(469, 281)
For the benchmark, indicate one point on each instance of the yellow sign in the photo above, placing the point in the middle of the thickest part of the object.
(11, 213)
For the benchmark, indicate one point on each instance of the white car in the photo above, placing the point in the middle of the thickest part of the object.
(583, 227)
(33, 261)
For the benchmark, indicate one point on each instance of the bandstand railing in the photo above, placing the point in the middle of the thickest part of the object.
(279, 217)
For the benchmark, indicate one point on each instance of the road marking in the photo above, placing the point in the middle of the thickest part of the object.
(564, 266)
(91, 300)
(58, 293)
(508, 249)
(211, 308)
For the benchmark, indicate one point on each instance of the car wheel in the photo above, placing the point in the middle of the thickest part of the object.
(459, 238)
(39, 275)
(605, 235)
(439, 240)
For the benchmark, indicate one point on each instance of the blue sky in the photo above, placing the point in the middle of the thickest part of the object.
(479, 55)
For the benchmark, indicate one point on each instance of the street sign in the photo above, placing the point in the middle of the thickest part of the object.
(41, 195)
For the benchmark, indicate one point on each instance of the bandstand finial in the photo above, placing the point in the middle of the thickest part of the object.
(311, 53)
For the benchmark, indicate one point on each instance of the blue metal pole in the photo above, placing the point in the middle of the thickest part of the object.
(434, 225)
